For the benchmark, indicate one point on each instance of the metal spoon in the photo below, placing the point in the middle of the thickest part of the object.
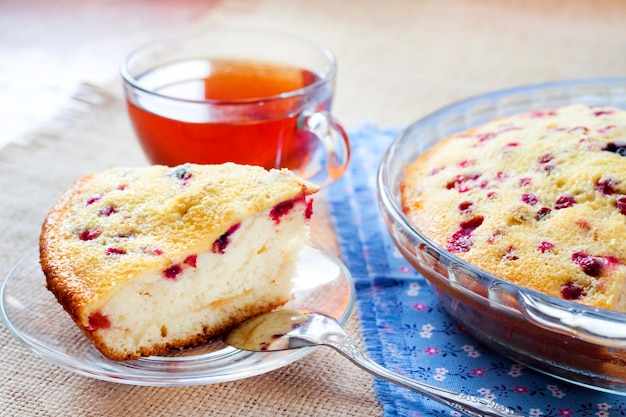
(292, 329)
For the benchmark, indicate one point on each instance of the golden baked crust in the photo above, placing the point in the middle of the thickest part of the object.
(538, 199)
(108, 226)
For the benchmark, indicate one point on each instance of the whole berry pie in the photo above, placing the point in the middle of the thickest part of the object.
(538, 199)
(153, 258)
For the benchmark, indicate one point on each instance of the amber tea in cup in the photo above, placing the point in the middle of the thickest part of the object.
(259, 98)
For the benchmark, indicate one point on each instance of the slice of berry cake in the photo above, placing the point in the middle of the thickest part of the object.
(153, 258)
(538, 199)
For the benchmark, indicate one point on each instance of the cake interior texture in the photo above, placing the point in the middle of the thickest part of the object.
(252, 276)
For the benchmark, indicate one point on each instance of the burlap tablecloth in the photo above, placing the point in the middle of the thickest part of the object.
(398, 60)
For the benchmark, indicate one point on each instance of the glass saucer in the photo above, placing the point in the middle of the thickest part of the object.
(34, 317)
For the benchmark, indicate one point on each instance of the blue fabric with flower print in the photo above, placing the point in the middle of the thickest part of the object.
(406, 330)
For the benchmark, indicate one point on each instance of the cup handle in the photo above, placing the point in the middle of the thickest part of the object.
(330, 160)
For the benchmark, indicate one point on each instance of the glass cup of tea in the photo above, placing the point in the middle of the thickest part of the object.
(245, 96)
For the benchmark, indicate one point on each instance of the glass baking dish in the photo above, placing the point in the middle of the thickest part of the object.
(574, 342)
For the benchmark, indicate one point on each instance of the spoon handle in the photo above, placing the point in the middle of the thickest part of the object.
(465, 403)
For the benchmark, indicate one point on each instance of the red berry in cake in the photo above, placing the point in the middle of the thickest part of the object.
(530, 199)
(115, 251)
(462, 239)
(510, 254)
(544, 162)
(93, 199)
(564, 201)
(591, 265)
(545, 158)
(483, 137)
(220, 244)
(461, 182)
(501, 176)
(606, 187)
(542, 213)
(173, 271)
(309, 209)
(107, 211)
(466, 206)
(457, 184)
(152, 251)
(280, 209)
(191, 260)
(612, 260)
(540, 114)
(599, 113)
(618, 148)
(525, 181)
(572, 291)
(98, 321)
(495, 235)
(544, 247)
(89, 234)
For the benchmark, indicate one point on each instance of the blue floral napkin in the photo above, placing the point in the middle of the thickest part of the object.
(406, 330)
